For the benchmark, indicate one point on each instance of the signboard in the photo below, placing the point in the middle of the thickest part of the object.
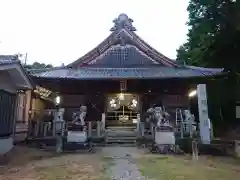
(203, 114)
(42, 92)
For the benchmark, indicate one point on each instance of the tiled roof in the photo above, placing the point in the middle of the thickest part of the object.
(123, 54)
(8, 59)
(13, 60)
(128, 73)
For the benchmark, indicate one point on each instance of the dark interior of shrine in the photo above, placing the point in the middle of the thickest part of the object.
(73, 86)
(170, 93)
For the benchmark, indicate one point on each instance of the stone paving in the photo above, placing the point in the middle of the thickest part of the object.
(123, 167)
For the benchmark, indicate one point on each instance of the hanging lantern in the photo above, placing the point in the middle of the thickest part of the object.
(121, 96)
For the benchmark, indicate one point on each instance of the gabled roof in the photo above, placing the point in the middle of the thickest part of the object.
(18, 73)
(124, 44)
(123, 54)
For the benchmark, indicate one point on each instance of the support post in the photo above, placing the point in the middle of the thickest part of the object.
(237, 148)
(36, 128)
(98, 128)
(89, 129)
(190, 127)
(59, 128)
(152, 131)
(142, 129)
(45, 128)
(195, 150)
(138, 122)
(30, 128)
(103, 121)
(181, 129)
(54, 124)
(211, 129)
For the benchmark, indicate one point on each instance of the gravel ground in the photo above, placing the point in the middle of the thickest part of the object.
(123, 167)
(24, 163)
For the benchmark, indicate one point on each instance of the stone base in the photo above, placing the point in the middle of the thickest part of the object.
(6, 144)
(164, 138)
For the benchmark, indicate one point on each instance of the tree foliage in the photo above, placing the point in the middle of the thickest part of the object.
(214, 34)
(214, 41)
(37, 65)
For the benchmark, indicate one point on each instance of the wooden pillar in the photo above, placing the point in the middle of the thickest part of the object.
(27, 105)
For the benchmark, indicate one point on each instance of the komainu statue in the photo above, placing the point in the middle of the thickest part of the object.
(160, 117)
(78, 134)
(164, 138)
(79, 117)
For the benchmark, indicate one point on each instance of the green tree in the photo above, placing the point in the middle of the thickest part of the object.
(214, 34)
(214, 41)
(37, 65)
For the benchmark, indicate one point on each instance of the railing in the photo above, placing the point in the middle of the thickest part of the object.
(42, 125)
(145, 132)
(183, 130)
(121, 118)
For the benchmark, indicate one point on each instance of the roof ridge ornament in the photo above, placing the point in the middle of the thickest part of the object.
(123, 21)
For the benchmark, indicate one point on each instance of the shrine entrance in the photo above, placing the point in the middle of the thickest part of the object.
(122, 109)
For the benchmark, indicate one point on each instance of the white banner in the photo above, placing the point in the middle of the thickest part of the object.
(203, 114)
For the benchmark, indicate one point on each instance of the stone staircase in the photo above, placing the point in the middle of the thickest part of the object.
(121, 135)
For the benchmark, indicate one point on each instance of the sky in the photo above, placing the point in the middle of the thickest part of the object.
(61, 31)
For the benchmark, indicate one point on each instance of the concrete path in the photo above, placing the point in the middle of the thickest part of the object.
(123, 167)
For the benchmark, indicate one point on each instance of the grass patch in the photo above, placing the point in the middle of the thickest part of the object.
(35, 164)
(177, 168)
(108, 162)
(74, 170)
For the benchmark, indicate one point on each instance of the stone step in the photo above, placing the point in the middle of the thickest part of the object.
(121, 133)
(122, 137)
(122, 141)
(130, 128)
(121, 130)
(120, 144)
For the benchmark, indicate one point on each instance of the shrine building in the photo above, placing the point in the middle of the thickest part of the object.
(122, 77)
